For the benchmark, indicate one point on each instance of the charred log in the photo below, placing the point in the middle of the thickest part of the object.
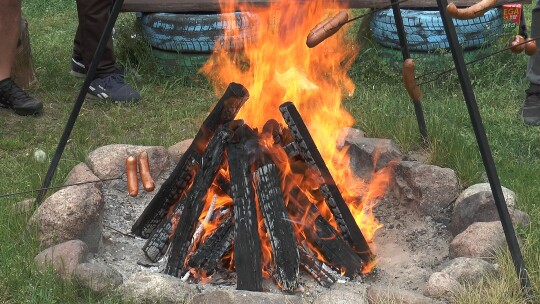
(278, 226)
(172, 189)
(247, 249)
(158, 242)
(194, 200)
(321, 272)
(208, 255)
(347, 225)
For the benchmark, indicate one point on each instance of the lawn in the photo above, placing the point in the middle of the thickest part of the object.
(171, 110)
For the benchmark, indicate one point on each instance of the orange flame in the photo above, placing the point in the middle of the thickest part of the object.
(277, 66)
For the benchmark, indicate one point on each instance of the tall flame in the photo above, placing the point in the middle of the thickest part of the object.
(277, 66)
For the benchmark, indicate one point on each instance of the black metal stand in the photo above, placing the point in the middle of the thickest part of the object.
(80, 100)
(406, 55)
(485, 151)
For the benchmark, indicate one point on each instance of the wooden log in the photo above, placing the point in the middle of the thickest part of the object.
(247, 245)
(195, 199)
(278, 226)
(23, 71)
(185, 6)
(208, 255)
(332, 196)
(172, 189)
(157, 244)
(321, 272)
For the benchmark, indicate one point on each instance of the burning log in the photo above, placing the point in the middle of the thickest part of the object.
(215, 246)
(158, 242)
(328, 188)
(278, 225)
(247, 249)
(195, 198)
(175, 186)
(321, 272)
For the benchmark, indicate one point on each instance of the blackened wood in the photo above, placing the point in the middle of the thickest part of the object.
(279, 227)
(158, 242)
(342, 214)
(316, 268)
(175, 6)
(222, 181)
(214, 247)
(247, 245)
(172, 189)
(195, 199)
(322, 235)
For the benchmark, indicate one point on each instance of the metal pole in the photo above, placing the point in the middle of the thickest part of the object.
(80, 100)
(406, 55)
(483, 145)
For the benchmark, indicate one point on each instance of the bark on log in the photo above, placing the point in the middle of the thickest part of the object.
(342, 214)
(194, 200)
(172, 189)
(209, 254)
(247, 244)
(278, 226)
(23, 71)
(157, 244)
(176, 6)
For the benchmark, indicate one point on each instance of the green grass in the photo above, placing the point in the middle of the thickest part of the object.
(172, 110)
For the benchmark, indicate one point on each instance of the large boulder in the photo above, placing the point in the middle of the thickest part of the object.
(387, 294)
(343, 294)
(63, 258)
(74, 212)
(479, 240)
(244, 297)
(156, 288)
(81, 174)
(469, 270)
(441, 285)
(97, 277)
(177, 150)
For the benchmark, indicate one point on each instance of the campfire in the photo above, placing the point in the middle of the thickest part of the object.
(262, 190)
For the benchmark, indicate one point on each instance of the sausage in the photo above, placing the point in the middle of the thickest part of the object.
(131, 173)
(530, 47)
(326, 28)
(407, 73)
(144, 171)
(473, 11)
(516, 45)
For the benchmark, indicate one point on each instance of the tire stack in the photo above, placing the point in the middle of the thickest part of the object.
(181, 43)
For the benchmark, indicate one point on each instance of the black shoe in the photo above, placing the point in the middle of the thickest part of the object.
(77, 67)
(530, 110)
(13, 97)
(113, 88)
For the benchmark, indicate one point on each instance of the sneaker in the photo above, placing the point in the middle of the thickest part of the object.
(77, 67)
(530, 110)
(112, 87)
(13, 97)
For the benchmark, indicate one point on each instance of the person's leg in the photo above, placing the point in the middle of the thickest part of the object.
(10, 20)
(530, 110)
(11, 96)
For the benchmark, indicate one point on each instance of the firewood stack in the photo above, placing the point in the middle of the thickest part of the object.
(260, 177)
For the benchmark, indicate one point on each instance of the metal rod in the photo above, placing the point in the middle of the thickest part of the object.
(58, 187)
(483, 145)
(80, 100)
(419, 113)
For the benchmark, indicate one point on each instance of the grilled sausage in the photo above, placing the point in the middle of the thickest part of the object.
(473, 11)
(516, 45)
(530, 47)
(131, 172)
(326, 28)
(407, 73)
(144, 171)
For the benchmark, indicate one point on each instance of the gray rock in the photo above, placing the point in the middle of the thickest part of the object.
(156, 288)
(368, 154)
(97, 277)
(441, 285)
(469, 270)
(110, 161)
(244, 297)
(348, 135)
(509, 195)
(477, 205)
(389, 294)
(63, 258)
(177, 150)
(430, 189)
(343, 294)
(82, 174)
(74, 212)
(479, 240)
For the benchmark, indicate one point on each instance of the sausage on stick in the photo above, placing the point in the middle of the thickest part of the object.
(144, 170)
(326, 28)
(516, 45)
(409, 80)
(530, 46)
(131, 172)
(473, 11)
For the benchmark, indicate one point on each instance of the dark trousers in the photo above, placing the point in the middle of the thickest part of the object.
(93, 16)
(533, 70)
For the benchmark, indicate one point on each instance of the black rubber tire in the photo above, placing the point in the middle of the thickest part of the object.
(425, 32)
(197, 32)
